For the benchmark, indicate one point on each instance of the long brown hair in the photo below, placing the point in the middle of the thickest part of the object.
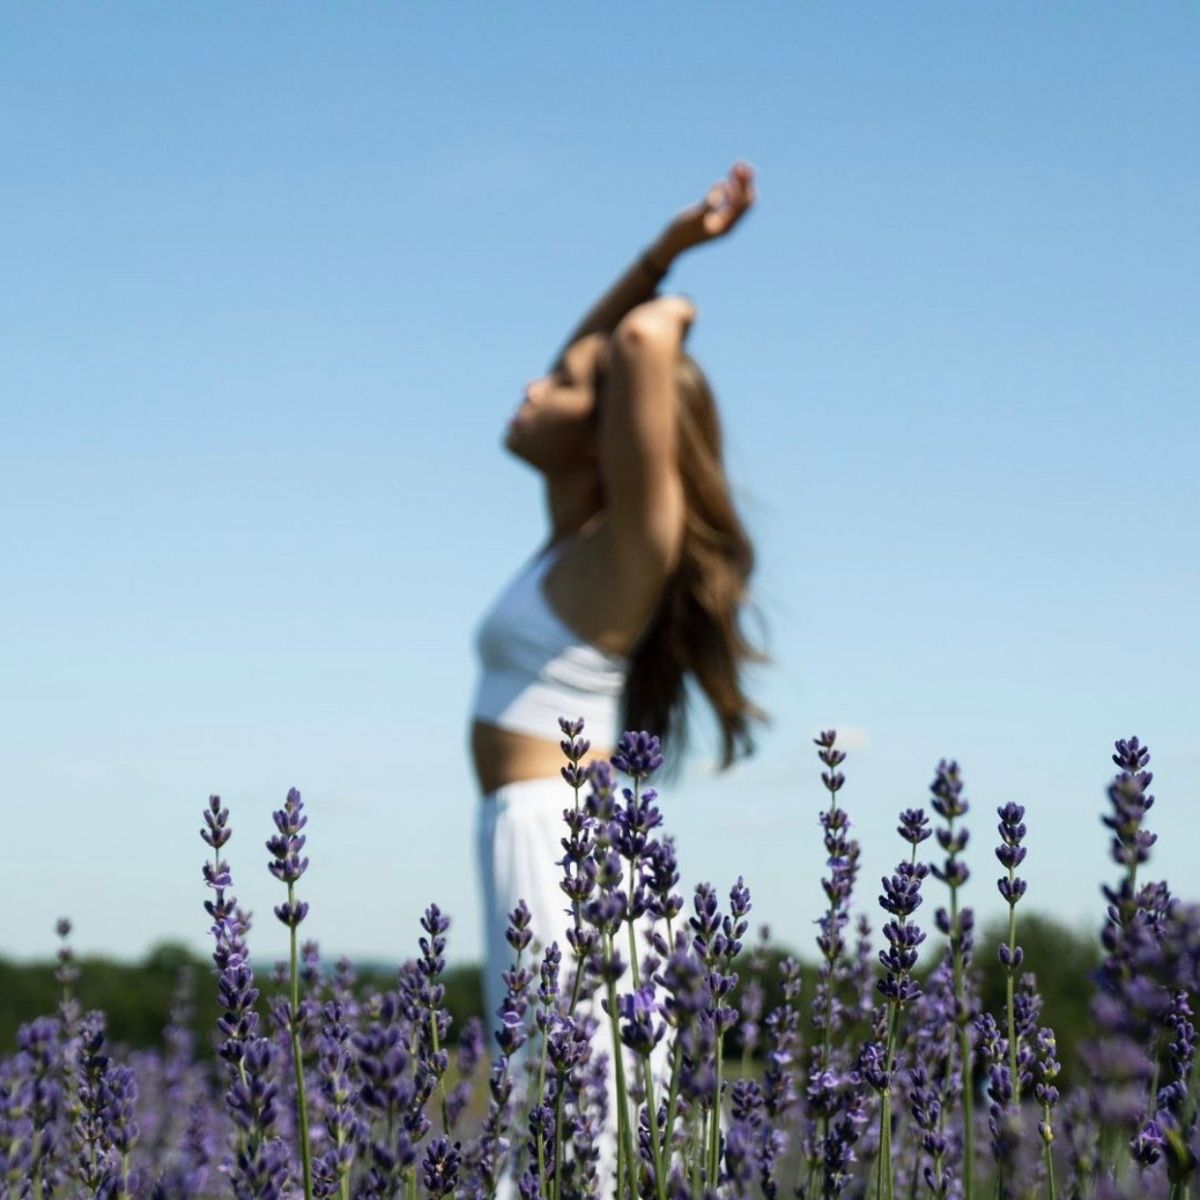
(696, 629)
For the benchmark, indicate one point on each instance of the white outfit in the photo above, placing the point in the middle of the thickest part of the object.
(520, 825)
(519, 828)
(535, 669)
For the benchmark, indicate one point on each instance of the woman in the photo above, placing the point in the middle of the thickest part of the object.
(639, 586)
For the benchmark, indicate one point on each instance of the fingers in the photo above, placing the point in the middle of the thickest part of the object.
(737, 190)
(726, 201)
(741, 175)
(720, 204)
(739, 195)
(748, 189)
(743, 170)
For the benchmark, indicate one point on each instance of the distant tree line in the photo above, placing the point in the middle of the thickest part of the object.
(136, 997)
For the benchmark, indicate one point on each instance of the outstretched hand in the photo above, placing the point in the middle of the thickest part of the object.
(727, 201)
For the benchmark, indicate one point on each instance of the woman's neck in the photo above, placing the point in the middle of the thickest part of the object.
(574, 502)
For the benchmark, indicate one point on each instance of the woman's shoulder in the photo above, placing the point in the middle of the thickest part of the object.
(602, 589)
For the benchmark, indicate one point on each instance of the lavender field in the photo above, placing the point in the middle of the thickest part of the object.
(883, 1082)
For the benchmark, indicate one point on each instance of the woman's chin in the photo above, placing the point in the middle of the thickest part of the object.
(514, 443)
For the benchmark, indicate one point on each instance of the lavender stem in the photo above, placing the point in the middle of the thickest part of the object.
(298, 1058)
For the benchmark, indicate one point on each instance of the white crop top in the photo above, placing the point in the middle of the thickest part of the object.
(535, 668)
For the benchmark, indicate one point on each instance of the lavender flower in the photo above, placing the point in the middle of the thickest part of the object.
(842, 852)
(105, 1130)
(783, 1023)
(914, 826)
(1170, 1126)
(926, 1107)
(575, 748)
(639, 754)
(1130, 801)
(624, 835)
(258, 1165)
(901, 897)
(1131, 1002)
(76, 1116)
(661, 878)
(1045, 1090)
(288, 866)
(439, 1168)
(490, 1157)
(1004, 1121)
(1011, 853)
(343, 1128)
(432, 1019)
(949, 803)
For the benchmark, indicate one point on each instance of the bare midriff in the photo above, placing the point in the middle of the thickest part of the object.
(502, 756)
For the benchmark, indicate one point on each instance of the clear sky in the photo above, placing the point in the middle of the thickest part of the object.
(275, 276)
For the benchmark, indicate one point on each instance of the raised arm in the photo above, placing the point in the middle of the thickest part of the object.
(637, 433)
(712, 217)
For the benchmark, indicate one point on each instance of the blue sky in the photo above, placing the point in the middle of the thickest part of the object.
(274, 282)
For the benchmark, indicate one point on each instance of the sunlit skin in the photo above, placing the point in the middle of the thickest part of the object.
(611, 482)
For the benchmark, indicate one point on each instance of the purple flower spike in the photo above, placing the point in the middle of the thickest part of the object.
(518, 933)
(739, 900)
(873, 1066)
(947, 789)
(662, 875)
(574, 747)
(902, 892)
(1045, 1090)
(686, 984)
(957, 923)
(641, 1032)
(832, 758)
(1010, 852)
(1147, 1146)
(639, 754)
(901, 897)
(216, 830)
(829, 1093)
(261, 1169)
(1009, 1082)
(1131, 755)
(949, 804)
(292, 912)
(1010, 959)
(286, 845)
(103, 1126)
(1130, 801)
(914, 826)
(571, 729)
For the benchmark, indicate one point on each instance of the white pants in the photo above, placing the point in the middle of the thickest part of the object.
(520, 831)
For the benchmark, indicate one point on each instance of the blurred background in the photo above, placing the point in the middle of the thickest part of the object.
(275, 280)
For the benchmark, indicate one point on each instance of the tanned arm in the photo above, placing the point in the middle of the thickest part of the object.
(637, 433)
(713, 217)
